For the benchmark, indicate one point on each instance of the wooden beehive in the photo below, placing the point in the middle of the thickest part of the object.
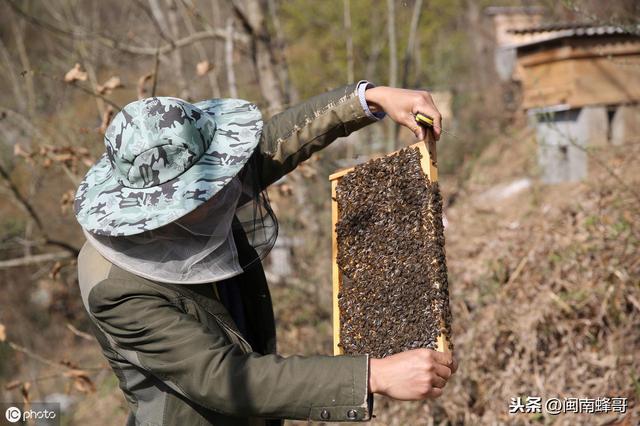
(428, 165)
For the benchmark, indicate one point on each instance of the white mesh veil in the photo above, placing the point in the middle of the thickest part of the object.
(201, 246)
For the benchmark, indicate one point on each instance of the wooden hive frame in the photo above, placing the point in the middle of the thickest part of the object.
(430, 168)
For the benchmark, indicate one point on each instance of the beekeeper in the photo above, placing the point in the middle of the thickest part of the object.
(177, 221)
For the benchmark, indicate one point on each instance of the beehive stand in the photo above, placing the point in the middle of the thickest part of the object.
(428, 163)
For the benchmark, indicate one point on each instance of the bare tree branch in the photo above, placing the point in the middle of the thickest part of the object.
(80, 47)
(375, 46)
(393, 67)
(228, 50)
(82, 88)
(200, 50)
(290, 91)
(81, 334)
(251, 15)
(349, 40)
(156, 69)
(164, 49)
(411, 44)
(49, 362)
(168, 19)
(19, 198)
(124, 47)
(408, 54)
(37, 258)
(44, 24)
(24, 61)
(8, 69)
(154, 20)
(30, 210)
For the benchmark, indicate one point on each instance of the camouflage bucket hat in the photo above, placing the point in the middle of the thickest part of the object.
(165, 157)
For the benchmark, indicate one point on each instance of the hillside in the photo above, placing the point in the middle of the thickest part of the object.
(545, 285)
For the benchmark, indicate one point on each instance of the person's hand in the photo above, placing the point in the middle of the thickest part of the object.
(402, 105)
(413, 375)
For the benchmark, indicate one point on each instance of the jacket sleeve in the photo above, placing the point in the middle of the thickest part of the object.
(157, 335)
(290, 137)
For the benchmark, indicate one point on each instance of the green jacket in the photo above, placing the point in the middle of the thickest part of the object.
(175, 349)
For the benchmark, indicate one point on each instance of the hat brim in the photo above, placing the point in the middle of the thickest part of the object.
(104, 206)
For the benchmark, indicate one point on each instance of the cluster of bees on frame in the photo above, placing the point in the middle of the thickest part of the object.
(394, 293)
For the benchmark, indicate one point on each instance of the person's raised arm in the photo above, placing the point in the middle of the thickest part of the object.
(292, 136)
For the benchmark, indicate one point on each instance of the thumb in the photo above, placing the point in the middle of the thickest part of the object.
(444, 358)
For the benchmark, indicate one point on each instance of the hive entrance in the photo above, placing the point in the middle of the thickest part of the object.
(390, 277)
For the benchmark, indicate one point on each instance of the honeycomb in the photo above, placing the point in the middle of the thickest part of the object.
(394, 292)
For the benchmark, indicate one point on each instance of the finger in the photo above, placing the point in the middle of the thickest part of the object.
(416, 129)
(443, 371)
(421, 133)
(443, 358)
(438, 382)
(454, 366)
(435, 393)
(437, 125)
(427, 107)
(437, 120)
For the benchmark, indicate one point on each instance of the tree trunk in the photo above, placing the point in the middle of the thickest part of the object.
(170, 29)
(411, 49)
(228, 60)
(354, 138)
(411, 44)
(349, 40)
(393, 67)
(251, 14)
(212, 75)
(291, 94)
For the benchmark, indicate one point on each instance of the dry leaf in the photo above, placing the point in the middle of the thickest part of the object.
(62, 158)
(106, 119)
(75, 74)
(26, 386)
(3, 333)
(81, 381)
(285, 189)
(84, 385)
(12, 385)
(109, 85)
(70, 364)
(18, 151)
(66, 201)
(203, 67)
(142, 81)
(54, 272)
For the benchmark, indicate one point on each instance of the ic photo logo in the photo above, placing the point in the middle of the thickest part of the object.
(13, 414)
(36, 412)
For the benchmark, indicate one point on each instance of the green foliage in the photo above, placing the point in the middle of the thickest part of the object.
(317, 49)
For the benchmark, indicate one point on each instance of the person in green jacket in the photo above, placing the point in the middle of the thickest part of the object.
(177, 222)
